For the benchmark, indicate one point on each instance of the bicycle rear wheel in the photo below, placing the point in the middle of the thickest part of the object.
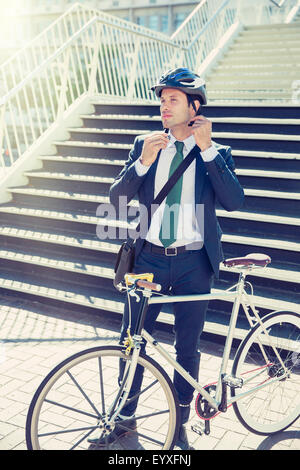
(276, 405)
(73, 402)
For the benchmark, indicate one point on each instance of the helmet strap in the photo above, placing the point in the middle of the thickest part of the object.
(191, 101)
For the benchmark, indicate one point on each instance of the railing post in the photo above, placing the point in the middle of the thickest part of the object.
(94, 65)
(63, 86)
(134, 69)
(2, 114)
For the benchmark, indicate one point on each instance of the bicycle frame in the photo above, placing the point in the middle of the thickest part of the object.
(233, 296)
(238, 296)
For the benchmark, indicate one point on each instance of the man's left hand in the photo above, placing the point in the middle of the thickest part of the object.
(201, 129)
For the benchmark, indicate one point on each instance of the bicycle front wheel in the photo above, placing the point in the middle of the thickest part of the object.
(268, 361)
(73, 401)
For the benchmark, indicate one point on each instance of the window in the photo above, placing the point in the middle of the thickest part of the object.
(154, 22)
(164, 23)
(179, 18)
(141, 20)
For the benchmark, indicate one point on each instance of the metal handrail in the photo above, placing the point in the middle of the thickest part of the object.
(279, 5)
(69, 42)
(78, 8)
(208, 23)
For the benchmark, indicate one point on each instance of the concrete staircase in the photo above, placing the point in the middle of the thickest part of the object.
(261, 65)
(49, 249)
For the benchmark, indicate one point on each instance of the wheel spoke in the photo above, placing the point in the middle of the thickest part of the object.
(83, 393)
(71, 408)
(101, 384)
(140, 392)
(65, 431)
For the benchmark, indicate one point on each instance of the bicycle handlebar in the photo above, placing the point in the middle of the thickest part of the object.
(148, 285)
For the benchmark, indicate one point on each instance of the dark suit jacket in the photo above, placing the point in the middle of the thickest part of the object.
(213, 180)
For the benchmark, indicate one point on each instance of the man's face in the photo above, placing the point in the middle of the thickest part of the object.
(174, 108)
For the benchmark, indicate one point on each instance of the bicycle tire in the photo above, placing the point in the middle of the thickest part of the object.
(69, 405)
(276, 406)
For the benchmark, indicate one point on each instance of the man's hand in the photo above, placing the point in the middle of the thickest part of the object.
(201, 129)
(153, 143)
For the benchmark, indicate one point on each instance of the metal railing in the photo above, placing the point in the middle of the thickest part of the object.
(264, 11)
(88, 53)
(81, 53)
(99, 58)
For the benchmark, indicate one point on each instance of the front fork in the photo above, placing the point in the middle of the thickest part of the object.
(127, 380)
(132, 345)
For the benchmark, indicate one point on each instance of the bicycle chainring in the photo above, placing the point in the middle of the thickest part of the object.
(203, 409)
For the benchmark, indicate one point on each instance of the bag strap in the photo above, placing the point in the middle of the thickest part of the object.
(170, 183)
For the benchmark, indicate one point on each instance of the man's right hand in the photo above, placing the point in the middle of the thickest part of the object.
(153, 143)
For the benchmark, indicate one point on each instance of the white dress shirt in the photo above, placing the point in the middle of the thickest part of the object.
(187, 230)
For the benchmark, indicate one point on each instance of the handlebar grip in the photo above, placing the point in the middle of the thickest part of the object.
(148, 285)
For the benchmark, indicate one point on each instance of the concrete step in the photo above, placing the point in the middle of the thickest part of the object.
(252, 83)
(271, 225)
(285, 143)
(65, 181)
(262, 59)
(250, 96)
(251, 141)
(140, 123)
(276, 202)
(275, 27)
(265, 43)
(256, 110)
(256, 72)
(81, 159)
(259, 36)
(268, 50)
(93, 149)
(258, 67)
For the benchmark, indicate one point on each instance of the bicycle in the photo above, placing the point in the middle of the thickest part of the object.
(81, 396)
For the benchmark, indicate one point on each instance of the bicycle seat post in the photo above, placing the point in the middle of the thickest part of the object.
(231, 328)
(242, 279)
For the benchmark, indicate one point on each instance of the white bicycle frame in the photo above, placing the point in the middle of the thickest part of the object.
(238, 296)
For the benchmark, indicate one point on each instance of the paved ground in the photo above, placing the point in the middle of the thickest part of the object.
(35, 339)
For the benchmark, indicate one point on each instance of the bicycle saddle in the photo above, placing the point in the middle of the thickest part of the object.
(253, 259)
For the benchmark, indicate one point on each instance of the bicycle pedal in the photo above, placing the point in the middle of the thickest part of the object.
(233, 382)
(198, 428)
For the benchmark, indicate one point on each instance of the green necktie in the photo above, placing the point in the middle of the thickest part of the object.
(168, 229)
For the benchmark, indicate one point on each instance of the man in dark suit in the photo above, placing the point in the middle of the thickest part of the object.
(183, 251)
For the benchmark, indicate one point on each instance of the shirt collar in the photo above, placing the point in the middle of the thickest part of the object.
(189, 142)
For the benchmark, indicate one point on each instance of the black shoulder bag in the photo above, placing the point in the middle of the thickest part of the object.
(125, 257)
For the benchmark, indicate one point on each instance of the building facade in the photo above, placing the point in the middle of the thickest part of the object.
(22, 20)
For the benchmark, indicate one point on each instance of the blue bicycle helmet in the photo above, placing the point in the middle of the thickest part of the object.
(182, 79)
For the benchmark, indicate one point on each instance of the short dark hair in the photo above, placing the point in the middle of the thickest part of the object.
(191, 101)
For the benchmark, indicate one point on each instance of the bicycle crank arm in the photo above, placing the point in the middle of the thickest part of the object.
(228, 381)
(201, 428)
